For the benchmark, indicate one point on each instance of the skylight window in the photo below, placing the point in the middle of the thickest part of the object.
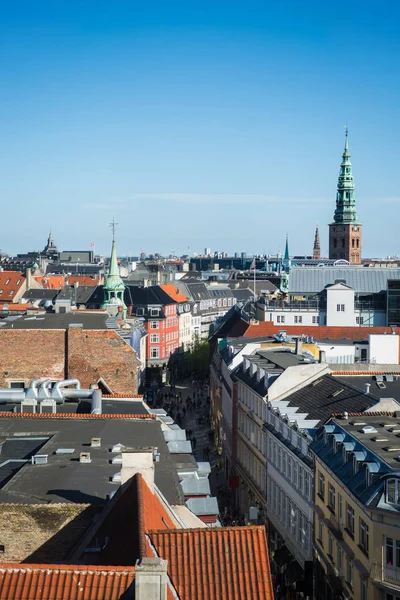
(369, 429)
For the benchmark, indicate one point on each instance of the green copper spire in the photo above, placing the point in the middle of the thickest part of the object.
(287, 248)
(114, 287)
(345, 199)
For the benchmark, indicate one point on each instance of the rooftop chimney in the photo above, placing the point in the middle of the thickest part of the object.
(367, 386)
(138, 461)
(151, 579)
(299, 347)
(322, 356)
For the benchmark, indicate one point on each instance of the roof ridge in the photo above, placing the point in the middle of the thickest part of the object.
(140, 482)
(56, 567)
(11, 415)
(370, 413)
(209, 530)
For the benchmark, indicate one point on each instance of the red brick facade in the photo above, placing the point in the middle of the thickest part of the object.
(163, 338)
(345, 242)
(92, 356)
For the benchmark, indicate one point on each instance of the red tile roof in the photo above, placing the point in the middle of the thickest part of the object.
(53, 282)
(319, 332)
(10, 283)
(173, 292)
(17, 307)
(65, 582)
(216, 563)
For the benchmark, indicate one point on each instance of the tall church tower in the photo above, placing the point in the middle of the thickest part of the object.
(345, 231)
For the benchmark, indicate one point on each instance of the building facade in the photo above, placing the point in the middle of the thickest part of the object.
(357, 508)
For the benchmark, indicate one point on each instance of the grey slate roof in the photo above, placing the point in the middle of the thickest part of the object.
(89, 320)
(65, 479)
(328, 395)
(366, 280)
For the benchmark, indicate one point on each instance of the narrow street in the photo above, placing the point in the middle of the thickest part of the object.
(187, 403)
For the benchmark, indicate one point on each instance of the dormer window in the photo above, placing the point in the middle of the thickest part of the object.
(392, 491)
(355, 465)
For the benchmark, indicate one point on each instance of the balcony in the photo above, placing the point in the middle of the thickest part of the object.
(383, 573)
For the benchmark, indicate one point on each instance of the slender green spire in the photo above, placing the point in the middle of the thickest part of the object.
(114, 287)
(345, 199)
(287, 248)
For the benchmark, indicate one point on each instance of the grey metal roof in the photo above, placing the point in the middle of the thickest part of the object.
(203, 506)
(192, 486)
(362, 279)
(95, 320)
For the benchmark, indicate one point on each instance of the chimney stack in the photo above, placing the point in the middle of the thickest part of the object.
(322, 356)
(138, 461)
(151, 579)
(367, 386)
(299, 347)
(28, 276)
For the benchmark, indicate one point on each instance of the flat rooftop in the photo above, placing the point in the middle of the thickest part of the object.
(64, 478)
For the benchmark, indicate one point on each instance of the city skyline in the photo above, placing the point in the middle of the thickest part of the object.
(187, 123)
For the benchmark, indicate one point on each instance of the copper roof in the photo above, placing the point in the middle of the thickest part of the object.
(69, 582)
(216, 563)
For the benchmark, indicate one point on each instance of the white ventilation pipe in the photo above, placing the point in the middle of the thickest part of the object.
(32, 391)
(58, 393)
(44, 391)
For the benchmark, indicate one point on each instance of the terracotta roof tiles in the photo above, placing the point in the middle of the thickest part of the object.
(65, 582)
(215, 563)
(10, 283)
(173, 292)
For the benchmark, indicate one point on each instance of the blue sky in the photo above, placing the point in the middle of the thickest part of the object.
(196, 123)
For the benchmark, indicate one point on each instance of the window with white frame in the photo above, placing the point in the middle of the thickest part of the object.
(350, 519)
(349, 576)
(339, 560)
(154, 338)
(301, 478)
(331, 497)
(154, 352)
(154, 312)
(330, 545)
(295, 473)
(284, 463)
(392, 491)
(306, 484)
(320, 532)
(153, 324)
(321, 485)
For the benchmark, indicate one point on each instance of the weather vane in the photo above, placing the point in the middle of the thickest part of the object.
(113, 225)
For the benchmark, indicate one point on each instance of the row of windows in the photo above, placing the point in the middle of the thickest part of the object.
(335, 505)
(253, 433)
(341, 560)
(204, 304)
(256, 404)
(253, 467)
(155, 337)
(156, 352)
(163, 324)
(290, 467)
(293, 437)
(292, 519)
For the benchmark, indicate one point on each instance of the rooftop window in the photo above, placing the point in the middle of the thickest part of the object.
(392, 491)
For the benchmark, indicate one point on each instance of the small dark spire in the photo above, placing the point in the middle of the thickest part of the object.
(317, 245)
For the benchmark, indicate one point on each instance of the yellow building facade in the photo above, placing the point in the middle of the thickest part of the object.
(357, 509)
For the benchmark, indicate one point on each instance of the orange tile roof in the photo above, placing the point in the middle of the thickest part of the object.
(65, 582)
(173, 292)
(10, 283)
(319, 332)
(84, 280)
(17, 307)
(152, 514)
(53, 282)
(215, 563)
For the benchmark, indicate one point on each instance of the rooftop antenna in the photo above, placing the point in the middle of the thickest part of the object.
(113, 226)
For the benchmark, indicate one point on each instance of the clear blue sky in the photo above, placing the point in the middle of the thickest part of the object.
(196, 123)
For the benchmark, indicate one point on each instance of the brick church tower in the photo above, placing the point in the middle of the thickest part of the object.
(345, 232)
